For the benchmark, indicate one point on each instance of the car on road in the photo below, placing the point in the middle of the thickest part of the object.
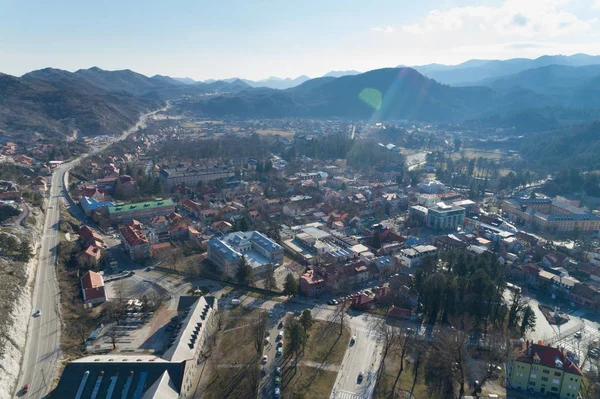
(25, 388)
(278, 371)
(577, 335)
(37, 313)
(360, 377)
(148, 269)
(277, 392)
(353, 340)
(264, 359)
(279, 351)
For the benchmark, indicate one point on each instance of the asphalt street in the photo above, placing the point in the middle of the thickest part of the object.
(42, 349)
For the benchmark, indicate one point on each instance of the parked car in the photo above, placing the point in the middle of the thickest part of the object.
(279, 351)
(279, 344)
(360, 377)
(277, 392)
(280, 335)
(37, 313)
(25, 388)
(577, 335)
(277, 380)
(264, 359)
(353, 340)
(278, 371)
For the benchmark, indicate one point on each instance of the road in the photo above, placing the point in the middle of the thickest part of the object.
(363, 356)
(42, 348)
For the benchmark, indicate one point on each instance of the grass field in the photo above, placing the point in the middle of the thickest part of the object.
(325, 345)
(273, 132)
(307, 382)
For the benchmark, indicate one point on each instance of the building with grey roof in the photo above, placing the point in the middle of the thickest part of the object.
(192, 175)
(258, 249)
(549, 215)
(142, 376)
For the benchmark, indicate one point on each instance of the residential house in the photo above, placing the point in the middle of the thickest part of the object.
(91, 257)
(544, 370)
(412, 257)
(312, 284)
(585, 295)
(92, 288)
(134, 241)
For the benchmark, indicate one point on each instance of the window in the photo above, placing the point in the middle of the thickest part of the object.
(557, 373)
(546, 371)
(531, 383)
(554, 389)
(544, 378)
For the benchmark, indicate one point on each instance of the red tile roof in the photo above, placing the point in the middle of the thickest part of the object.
(91, 280)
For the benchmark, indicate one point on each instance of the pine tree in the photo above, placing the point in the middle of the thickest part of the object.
(290, 287)
(244, 272)
(270, 283)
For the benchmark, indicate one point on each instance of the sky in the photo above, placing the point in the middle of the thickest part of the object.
(256, 39)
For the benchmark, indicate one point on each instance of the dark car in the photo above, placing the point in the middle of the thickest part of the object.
(360, 377)
(25, 388)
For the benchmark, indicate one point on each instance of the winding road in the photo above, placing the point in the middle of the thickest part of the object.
(42, 349)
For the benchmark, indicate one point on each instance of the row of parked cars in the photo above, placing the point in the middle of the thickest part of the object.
(343, 299)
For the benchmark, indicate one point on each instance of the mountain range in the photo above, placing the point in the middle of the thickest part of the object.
(473, 72)
(531, 95)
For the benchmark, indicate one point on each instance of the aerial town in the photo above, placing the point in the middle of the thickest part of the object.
(259, 259)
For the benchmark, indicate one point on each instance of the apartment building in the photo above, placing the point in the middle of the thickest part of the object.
(544, 370)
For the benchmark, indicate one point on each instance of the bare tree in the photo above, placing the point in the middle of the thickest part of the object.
(389, 336)
(402, 347)
(113, 334)
(418, 357)
(259, 328)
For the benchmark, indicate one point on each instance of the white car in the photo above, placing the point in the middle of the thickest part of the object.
(37, 313)
(264, 359)
(280, 351)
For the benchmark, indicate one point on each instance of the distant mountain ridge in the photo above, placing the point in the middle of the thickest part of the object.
(473, 71)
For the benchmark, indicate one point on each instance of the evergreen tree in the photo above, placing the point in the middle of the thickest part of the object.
(244, 272)
(306, 319)
(376, 241)
(270, 283)
(290, 287)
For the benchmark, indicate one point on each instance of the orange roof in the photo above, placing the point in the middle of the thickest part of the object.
(91, 280)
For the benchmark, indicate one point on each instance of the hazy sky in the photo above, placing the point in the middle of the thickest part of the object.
(255, 39)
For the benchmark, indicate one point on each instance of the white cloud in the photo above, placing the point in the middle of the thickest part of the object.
(513, 18)
(387, 29)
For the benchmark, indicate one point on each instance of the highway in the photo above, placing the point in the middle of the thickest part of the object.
(42, 349)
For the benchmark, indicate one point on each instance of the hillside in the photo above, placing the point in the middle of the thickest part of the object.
(474, 71)
(562, 148)
(59, 104)
(551, 79)
(391, 93)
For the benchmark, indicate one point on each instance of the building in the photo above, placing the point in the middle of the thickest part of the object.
(544, 369)
(134, 241)
(412, 257)
(550, 216)
(585, 295)
(258, 249)
(432, 187)
(445, 217)
(192, 175)
(312, 284)
(140, 211)
(141, 376)
(90, 205)
(92, 288)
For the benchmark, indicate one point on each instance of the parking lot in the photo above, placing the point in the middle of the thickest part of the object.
(590, 338)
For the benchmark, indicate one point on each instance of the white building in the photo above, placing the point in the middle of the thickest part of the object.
(412, 257)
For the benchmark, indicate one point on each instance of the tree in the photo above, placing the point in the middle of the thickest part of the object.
(244, 272)
(296, 336)
(306, 319)
(376, 241)
(270, 283)
(259, 329)
(401, 351)
(528, 320)
(290, 286)
(113, 334)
